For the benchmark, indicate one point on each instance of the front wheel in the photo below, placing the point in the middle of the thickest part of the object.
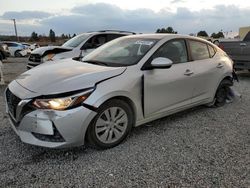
(111, 125)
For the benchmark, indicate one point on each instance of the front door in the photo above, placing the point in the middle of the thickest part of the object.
(172, 88)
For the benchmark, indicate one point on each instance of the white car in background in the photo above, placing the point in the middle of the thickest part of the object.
(78, 46)
(16, 49)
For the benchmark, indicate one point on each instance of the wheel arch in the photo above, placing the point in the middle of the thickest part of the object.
(226, 77)
(123, 98)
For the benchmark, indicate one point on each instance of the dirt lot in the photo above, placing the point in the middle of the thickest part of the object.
(201, 147)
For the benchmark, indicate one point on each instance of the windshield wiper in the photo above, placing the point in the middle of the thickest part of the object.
(96, 62)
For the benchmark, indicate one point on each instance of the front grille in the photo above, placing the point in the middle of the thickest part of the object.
(35, 58)
(12, 102)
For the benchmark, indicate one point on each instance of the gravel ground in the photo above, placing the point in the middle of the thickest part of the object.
(201, 147)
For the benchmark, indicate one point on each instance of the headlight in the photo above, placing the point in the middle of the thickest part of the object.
(48, 57)
(60, 103)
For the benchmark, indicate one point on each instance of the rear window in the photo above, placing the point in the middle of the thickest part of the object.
(199, 50)
(114, 36)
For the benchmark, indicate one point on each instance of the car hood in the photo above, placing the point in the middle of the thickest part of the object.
(42, 51)
(65, 76)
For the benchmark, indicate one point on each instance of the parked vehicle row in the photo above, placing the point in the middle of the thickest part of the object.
(124, 83)
(16, 49)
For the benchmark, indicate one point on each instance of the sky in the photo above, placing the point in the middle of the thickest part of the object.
(78, 16)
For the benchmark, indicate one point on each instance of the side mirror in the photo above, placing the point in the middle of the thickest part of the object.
(161, 63)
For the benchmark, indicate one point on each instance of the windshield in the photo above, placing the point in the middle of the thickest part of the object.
(76, 41)
(121, 52)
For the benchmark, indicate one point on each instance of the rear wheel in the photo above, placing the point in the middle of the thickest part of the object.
(222, 93)
(111, 125)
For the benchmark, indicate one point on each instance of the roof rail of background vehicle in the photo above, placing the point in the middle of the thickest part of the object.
(117, 31)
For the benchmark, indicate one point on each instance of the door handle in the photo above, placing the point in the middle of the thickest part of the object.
(243, 44)
(188, 72)
(220, 65)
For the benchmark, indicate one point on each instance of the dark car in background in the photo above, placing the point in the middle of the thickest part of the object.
(239, 51)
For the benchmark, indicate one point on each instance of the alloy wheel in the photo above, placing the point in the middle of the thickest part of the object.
(111, 125)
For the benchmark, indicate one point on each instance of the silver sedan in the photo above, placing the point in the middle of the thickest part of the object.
(125, 83)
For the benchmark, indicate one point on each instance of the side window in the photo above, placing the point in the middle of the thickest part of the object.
(211, 51)
(100, 40)
(96, 41)
(9, 44)
(113, 36)
(175, 50)
(199, 50)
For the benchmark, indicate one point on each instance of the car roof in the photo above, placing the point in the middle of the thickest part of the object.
(108, 32)
(164, 36)
(11, 42)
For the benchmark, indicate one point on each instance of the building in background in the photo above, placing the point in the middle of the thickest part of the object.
(243, 31)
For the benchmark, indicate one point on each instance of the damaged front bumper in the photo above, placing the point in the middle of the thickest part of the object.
(48, 128)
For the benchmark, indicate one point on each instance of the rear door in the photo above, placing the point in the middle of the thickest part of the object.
(208, 69)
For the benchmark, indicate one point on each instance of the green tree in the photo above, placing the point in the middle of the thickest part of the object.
(52, 35)
(218, 35)
(34, 36)
(74, 35)
(202, 34)
(166, 30)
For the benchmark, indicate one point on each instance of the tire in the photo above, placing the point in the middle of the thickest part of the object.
(17, 54)
(104, 132)
(222, 93)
